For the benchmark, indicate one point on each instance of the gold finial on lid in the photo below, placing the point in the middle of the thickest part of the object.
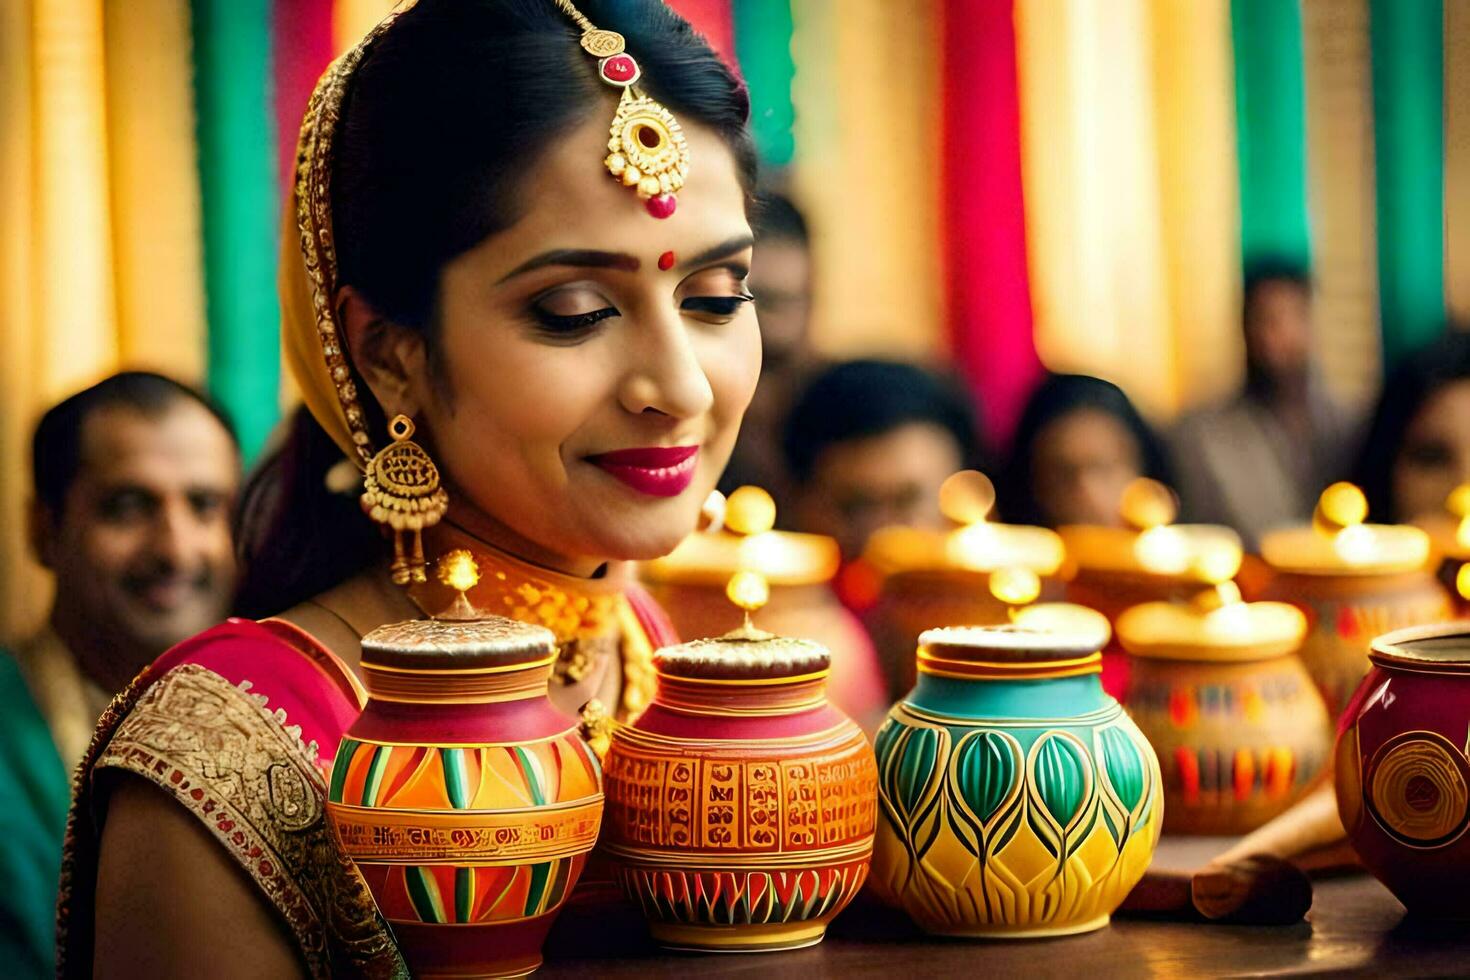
(1148, 504)
(1341, 506)
(749, 591)
(1458, 504)
(1149, 508)
(967, 497)
(1015, 586)
(750, 510)
(459, 570)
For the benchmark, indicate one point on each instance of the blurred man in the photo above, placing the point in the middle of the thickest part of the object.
(134, 479)
(1260, 460)
(868, 445)
(781, 280)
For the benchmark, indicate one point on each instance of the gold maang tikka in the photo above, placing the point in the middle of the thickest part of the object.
(646, 147)
(401, 489)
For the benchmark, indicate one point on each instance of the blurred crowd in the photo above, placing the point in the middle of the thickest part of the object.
(135, 477)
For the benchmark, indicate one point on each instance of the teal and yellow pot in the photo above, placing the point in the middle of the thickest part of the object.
(1016, 799)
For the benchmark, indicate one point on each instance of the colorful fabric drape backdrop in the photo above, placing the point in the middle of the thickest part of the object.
(993, 185)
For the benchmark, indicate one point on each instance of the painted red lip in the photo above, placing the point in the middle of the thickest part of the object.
(659, 471)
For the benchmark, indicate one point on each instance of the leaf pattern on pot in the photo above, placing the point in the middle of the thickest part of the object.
(1124, 766)
(985, 769)
(1060, 770)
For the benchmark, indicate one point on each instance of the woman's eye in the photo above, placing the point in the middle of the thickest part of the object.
(715, 307)
(573, 323)
(570, 313)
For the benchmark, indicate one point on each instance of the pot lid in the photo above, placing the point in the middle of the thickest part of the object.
(1215, 626)
(1008, 652)
(974, 544)
(1339, 542)
(1150, 543)
(472, 644)
(740, 538)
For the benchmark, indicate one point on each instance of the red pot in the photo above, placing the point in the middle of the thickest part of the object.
(1403, 776)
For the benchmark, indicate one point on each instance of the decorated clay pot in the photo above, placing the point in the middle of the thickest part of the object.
(1238, 724)
(1403, 777)
(466, 799)
(1016, 799)
(1354, 581)
(1345, 613)
(741, 804)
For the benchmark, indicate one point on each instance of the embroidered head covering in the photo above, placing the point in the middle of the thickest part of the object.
(311, 336)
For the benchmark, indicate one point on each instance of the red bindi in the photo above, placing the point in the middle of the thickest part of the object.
(666, 261)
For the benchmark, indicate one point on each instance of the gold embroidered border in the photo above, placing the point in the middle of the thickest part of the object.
(230, 761)
(385, 836)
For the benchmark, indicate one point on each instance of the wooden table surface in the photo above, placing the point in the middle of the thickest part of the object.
(1355, 927)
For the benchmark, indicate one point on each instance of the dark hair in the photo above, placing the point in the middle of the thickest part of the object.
(856, 399)
(1408, 387)
(776, 217)
(442, 121)
(1057, 396)
(1263, 269)
(56, 446)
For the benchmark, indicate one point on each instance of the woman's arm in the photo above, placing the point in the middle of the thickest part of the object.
(171, 902)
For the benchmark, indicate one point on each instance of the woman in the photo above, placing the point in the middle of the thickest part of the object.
(1418, 446)
(1080, 441)
(469, 294)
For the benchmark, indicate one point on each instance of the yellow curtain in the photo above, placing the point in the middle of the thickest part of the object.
(351, 19)
(99, 252)
(1128, 158)
(1339, 92)
(157, 259)
(1199, 194)
(1457, 156)
(866, 93)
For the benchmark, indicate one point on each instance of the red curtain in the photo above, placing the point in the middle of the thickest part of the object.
(982, 212)
(714, 20)
(301, 49)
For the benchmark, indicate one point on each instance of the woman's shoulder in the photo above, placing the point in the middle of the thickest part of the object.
(235, 726)
(273, 658)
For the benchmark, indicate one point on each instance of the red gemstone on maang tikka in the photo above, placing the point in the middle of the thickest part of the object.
(661, 205)
(620, 69)
(666, 261)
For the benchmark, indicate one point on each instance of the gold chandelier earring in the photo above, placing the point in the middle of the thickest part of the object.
(401, 491)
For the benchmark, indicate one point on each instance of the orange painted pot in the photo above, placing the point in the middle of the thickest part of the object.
(1345, 612)
(1403, 775)
(1238, 742)
(741, 805)
(467, 801)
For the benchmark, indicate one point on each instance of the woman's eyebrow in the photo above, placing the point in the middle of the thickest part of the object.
(723, 250)
(579, 257)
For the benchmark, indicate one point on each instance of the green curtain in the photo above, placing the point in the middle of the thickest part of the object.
(1271, 128)
(1408, 143)
(241, 210)
(763, 46)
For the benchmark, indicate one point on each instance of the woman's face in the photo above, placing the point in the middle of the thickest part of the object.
(1081, 463)
(589, 397)
(1435, 456)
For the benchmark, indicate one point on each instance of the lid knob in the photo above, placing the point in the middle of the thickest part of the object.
(459, 570)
